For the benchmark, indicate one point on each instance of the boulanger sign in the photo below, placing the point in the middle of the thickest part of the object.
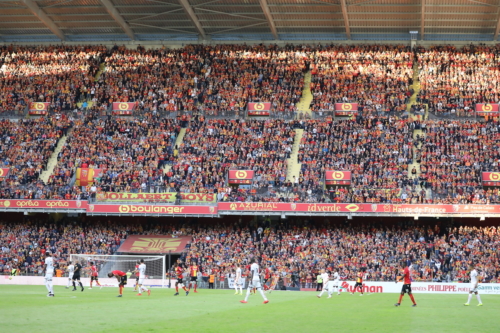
(259, 109)
(123, 108)
(151, 209)
(346, 109)
(491, 178)
(333, 177)
(486, 108)
(38, 108)
(240, 176)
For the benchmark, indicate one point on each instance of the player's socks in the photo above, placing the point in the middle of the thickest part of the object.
(74, 286)
(470, 297)
(479, 299)
(262, 294)
(412, 299)
(47, 285)
(121, 290)
(247, 295)
(177, 289)
(81, 285)
(90, 284)
(195, 286)
(400, 299)
(321, 293)
(97, 282)
(185, 289)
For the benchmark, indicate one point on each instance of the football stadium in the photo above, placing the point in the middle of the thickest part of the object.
(249, 165)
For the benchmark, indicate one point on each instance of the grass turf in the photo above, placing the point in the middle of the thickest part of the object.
(27, 309)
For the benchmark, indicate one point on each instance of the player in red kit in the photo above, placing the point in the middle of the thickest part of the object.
(136, 275)
(179, 272)
(359, 283)
(122, 280)
(93, 275)
(406, 286)
(193, 274)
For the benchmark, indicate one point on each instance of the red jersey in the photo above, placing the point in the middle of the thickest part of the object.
(193, 271)
(119, 273)
(179, 271)
(137, 269)
(406, 276)
(94, 270)
(359, 278)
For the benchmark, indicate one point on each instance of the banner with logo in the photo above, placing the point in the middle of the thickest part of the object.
(333, 177)
(487, 109)
(491, 178)
(230, 282)
(152, 209)
(152, 244)
(156, 197)
(43, 204)
(86, 176)
(4, 172)
(259, 109)
(240, 176)
(38, 108)
(346, 109)
(123, 108)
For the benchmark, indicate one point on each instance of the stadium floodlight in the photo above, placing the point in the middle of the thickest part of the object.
(155, 265)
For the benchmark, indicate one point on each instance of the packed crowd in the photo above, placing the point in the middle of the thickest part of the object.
(60, 75)
(452, 80)
(377, 77)
(297, 249)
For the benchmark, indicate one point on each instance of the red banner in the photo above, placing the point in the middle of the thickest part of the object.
(42, 204)
(154, 244)
(487, 108)
(333, 177)
(491, 178)
(153, 209)
(240, 176)
(123, 108)
(346, 109)
(38, 108)
(259, 109)
(4, 172)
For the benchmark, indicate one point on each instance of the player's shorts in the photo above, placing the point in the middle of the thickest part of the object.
(332, 284)
(94, 278)
(406, 289)
(358, 284)
(265, 281)
(70, 276)
(76, 277)
(49, 276)
(136, 278)
(255, 284)
(123, 280)
(238, 282)
(180, 281)
(194, 278)
(473, 290)
(141, 281)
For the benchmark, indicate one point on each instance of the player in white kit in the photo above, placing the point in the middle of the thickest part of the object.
(325, 278)
(142, 275)
(255, 282)
(71, 271)
(474, 281)
(49, 274)
(334, 283)
(237, 280)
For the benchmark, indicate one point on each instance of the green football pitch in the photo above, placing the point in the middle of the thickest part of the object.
(27, 309)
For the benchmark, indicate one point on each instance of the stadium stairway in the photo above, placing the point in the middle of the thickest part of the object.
(303, 106)
(293, 167)
(51, 164)
(178, 143)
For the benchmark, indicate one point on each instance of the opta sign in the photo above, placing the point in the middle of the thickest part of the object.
(152, 209)
(491, 178)
(123, 108)
(154, 244)
(38, 108)
(259, 109)
(43, 204)
(155, 197)
(486, 108)
(333, 177)
(4, 172)
(240, 176)
(346, 109)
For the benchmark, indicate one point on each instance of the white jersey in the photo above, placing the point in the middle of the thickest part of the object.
(142, 271)
(49, 262)
(71, 269)
(254, 269)
(325, 278)
(336, 277)
(473, 277)
(238, 273)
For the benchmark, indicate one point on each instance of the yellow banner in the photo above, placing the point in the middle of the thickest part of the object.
(156, 197)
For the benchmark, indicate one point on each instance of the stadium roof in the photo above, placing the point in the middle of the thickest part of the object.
(247, 20)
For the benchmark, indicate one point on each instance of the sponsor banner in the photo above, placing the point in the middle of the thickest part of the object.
(4, 172)
(63, 281)
(38, 108)
(156, 197)
(485, 109)
(259, 109)
(43, 204)
(240, 176)
(123, 106)
(122, 113)
(333, 177)
(491, 178)
(152, 209)
(230, 282)
(152, 244)
(86, 176)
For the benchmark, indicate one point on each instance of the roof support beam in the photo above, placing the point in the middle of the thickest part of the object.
(110, 8)
(269, 17)
(38, 12)
(346, 19)
(190, 12)
(422, 20)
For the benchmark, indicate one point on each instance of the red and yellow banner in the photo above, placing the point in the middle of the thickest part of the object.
(86, 176)
(486, 108)
(491, 178)
(4, 172)
(154, 244)
(42, 204)
(259, 109)
(38, 108)
(346, 109)
(333, 177)
(156, 197)
(152, 209)
(123, 108)
(240, 176)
